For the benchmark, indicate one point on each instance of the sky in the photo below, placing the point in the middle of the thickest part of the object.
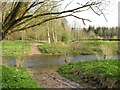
(119, 14)
(110, 11)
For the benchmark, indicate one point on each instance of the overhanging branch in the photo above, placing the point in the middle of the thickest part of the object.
(49, 19)
(29, 17)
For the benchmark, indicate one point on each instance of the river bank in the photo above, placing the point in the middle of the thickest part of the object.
(19, 48)
(98, 73)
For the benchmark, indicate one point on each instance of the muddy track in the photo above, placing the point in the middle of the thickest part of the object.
(34, 49)
(51, 79)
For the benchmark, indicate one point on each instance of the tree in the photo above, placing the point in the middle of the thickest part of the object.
(17, 16)
(65, 37)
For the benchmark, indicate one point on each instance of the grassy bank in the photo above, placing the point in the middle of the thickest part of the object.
(84, 47)
(62, 48)
(15, 48)
(13, 77)
(99, 73)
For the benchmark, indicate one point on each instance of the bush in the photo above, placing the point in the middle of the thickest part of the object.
(65, 37)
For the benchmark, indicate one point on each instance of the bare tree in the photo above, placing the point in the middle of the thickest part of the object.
(17, 16)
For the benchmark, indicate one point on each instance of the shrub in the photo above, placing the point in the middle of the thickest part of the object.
(65, 37)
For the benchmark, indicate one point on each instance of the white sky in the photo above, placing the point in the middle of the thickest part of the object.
(111, 13)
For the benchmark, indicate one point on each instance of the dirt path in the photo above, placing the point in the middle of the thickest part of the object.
(34, 49)
(51, 79)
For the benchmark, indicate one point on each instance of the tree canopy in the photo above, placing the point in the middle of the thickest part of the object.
(18, 15)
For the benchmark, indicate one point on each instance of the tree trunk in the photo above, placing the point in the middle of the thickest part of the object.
(54, 36)
(97, 55)
(0, 58)
(19, 63)
(49, 38)
(55, 33)
(56, 39)
(23, 35)
(65, 58)
(98, 58)
(48, 34)
(77, 35)
(0, 53)
(105, 57)
(74, 35)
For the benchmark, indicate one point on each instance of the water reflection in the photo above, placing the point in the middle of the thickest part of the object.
(49, 61)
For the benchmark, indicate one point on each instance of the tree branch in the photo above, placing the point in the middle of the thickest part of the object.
(49, 19)
(83, 19)
(102, 13)
(29, 17)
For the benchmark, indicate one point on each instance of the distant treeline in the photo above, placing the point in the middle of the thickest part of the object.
(101, 39)
(64, 33)
(105, 32)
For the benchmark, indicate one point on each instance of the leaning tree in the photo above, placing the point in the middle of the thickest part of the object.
(20, 15)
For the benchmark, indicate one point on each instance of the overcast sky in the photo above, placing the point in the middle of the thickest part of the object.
(111, 13)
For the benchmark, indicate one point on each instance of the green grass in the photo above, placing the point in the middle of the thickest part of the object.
(13, 77)
(62, 48)
(84, 48)
(55, 49)
(99, 73)
(96, 46)
(15, 48)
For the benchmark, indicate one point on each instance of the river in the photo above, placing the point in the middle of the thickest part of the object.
(49, 61)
